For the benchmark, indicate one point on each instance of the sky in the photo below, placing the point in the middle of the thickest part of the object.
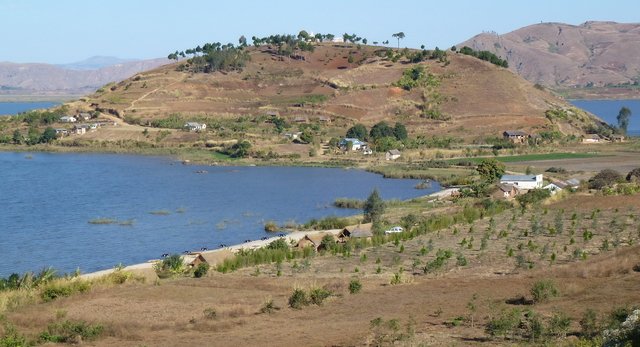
(65, 31)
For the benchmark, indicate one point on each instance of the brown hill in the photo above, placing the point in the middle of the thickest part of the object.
(474, 99)
(562, 55)
(46, 79)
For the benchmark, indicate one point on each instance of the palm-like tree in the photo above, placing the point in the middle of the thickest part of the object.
(398, 36)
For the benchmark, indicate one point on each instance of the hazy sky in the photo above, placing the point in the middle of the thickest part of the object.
(63, 31)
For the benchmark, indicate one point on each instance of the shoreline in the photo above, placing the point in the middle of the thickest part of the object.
(218, 254)
(215, 254)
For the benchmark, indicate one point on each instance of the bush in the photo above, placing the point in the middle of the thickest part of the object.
(355, 286)
(271, 226)
(170, 266)
(269, 307)
(559, 324)
(534, 196)
(634, 175)
(589, 324)
(504, 324)
(201, 270)
(71, 332)
(298, 299)
(318, 295)
(544, 290)
(604, 178)
(64, 288)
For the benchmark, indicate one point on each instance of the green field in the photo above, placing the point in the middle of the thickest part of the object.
(530, 157)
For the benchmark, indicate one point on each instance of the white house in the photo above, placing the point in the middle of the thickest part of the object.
(392, 154)
(194, 126)
(592, 138)
(68, 119)
(553, 188)
(84, 115)
(356, 144)
(523, 181)
(80, 129)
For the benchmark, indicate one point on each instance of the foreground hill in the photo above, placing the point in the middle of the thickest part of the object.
(562, 55)
(73, 79)
(466, 98)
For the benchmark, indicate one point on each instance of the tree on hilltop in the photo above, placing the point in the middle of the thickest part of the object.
(398, 36)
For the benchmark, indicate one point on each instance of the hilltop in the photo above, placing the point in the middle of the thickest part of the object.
(333, 88)
(590, 55)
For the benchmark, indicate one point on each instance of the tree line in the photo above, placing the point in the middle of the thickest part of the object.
(485, 55)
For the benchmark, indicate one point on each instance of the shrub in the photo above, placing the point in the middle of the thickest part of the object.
(544, 290)
(589, 324)
(210, 313)
(627, 335)
(201, 270)
(318, 295)
(71, 332)
(559, 324)
(64, 288)
(634, 175)
(604, 178)
(298, 299)
(504, 324)
(534, 196)
(270, 226)
(269, 307)
(170, 266)
(355, 286)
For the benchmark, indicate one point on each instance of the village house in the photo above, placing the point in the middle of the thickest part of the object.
(293, 136)
(315, 241)
(592, 138)
(360, 231)
(555, 187)
(68, 119)
(192, 260)
(523, 182)
(80, 129)
(505, 191)
(356, 144)
(62, 132)
(515, 136)
(300, 119)
(83, 116)
(617, 138)
(324, 119)
(392, 154)
(194, 126)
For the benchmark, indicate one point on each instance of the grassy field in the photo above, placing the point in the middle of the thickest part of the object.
(530, 157)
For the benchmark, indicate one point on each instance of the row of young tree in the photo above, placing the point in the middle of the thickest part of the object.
(484, 55)
(212, 57)
(215, 56)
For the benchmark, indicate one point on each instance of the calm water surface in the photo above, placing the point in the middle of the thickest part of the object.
(11, 108)
(608, 110)
(50, 198)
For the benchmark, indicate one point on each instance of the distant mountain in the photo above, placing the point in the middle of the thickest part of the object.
(561, 55)
(95, 63)
(54, 80)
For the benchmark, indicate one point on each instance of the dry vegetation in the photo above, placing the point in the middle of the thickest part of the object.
(586, 246)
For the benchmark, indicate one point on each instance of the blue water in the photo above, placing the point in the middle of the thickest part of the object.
(11, 108)
(608, 110)
(48, 200)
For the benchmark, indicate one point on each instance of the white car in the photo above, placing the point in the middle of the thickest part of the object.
(394, 230)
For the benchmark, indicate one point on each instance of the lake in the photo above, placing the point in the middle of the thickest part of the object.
(11, 108)
(608, 110)
(49, 200)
